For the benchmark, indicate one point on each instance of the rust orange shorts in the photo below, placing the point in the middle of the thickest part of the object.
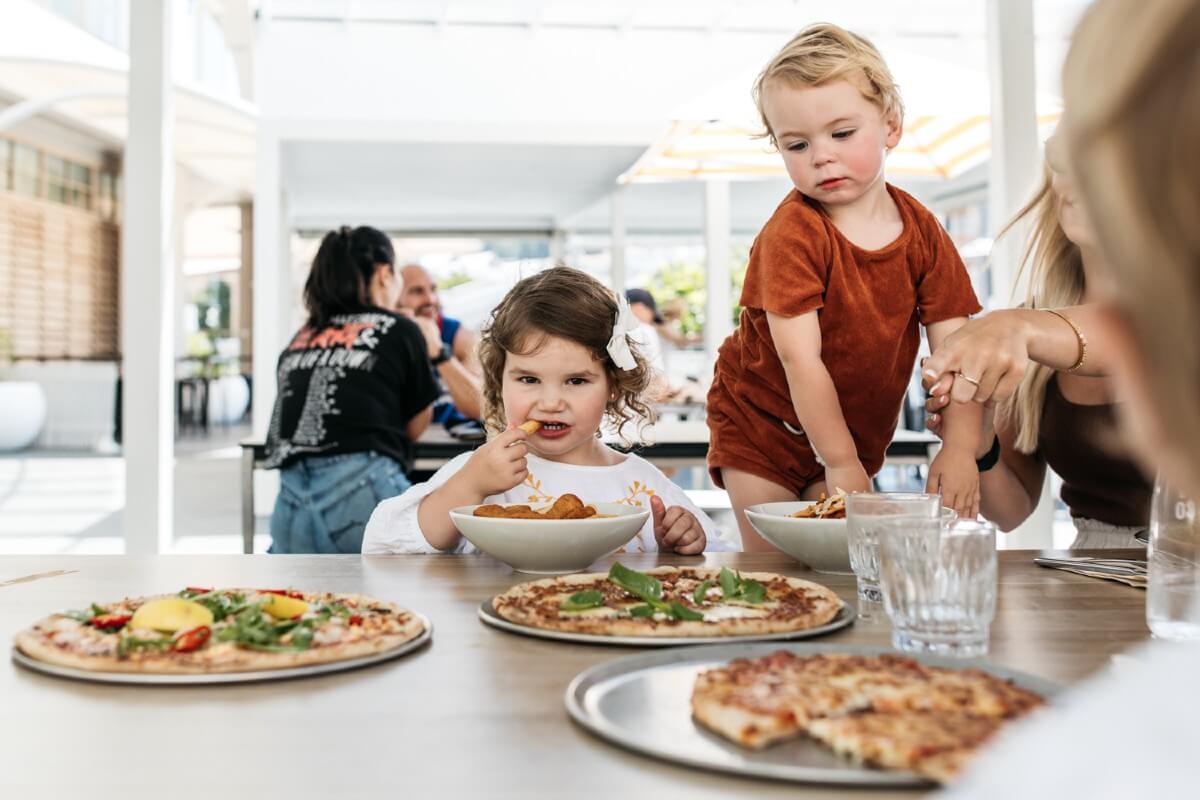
(744, 437)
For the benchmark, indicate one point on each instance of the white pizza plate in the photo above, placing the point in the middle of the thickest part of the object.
(489, 616)
(643, 703)
(134, 678)
(551, 546)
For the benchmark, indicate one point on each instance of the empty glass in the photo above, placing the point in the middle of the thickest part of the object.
(939, 584)
(865, 512)
(1173, 582)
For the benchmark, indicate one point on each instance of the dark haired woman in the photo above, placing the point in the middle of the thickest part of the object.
(355, 390)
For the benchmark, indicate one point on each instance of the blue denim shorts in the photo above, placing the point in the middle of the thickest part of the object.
(324, 502)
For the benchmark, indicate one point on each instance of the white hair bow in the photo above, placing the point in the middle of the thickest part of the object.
(618, 346)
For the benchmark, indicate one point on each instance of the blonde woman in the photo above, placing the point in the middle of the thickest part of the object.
(1058, 418)
(1132, 95)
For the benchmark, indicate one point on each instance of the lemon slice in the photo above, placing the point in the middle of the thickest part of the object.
(281, 607)
(171, 614)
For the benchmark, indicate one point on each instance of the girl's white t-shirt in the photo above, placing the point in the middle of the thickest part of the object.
(393, 527)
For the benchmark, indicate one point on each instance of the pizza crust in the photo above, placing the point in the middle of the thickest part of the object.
(792, 604)
(390, 628)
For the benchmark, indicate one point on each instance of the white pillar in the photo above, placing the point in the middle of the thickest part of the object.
(617, 242)
(718, 317)
(271, 276)
(148, 284)
(1015, 158)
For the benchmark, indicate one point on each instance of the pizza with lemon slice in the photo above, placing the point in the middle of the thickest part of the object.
(206, 630)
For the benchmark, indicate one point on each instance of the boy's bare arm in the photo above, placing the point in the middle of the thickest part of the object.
(953, 472)
(814, 397)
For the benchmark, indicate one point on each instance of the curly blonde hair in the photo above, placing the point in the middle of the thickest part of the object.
(567, 304)
(823, 53)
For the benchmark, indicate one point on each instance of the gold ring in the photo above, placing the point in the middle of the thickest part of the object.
(968, 379)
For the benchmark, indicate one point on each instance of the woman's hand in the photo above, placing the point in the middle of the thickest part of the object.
(498, 465)
(429, 329)
(676, 529)
(983, 360)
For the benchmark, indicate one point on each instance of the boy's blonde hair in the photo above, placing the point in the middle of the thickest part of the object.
(1132, 96)
(1056, 280)
(823, 53)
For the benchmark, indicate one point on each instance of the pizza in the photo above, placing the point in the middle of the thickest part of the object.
(204, 630)
(888, 710)
(670, 601)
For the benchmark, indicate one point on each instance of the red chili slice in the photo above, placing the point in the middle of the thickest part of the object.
(285, 592)
(111, 622)
(197, 590)
(191, 640)
(355, 619)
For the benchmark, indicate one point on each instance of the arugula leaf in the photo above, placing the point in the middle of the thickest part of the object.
(302, 636)
(701, 593)
(642, 611)
(127, 643)
(643, 586)
(221, 605)
(680, 611)
(752, 592)
(98, 611)
(581, 601)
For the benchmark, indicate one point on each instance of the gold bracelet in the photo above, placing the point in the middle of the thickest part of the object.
(1078, 335)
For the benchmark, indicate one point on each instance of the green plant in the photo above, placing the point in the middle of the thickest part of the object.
(686, 280)
(456, 278)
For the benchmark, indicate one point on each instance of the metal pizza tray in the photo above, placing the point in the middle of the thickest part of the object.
(489, 616)
(134, 678)
(643, 703)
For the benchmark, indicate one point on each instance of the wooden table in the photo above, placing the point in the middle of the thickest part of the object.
(478, 713)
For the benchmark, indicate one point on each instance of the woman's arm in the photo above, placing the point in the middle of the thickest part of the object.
(995, 349)
(815, 400)
(417, 425)
(464, 386)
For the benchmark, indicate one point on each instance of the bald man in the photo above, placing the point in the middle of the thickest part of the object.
(452, 349)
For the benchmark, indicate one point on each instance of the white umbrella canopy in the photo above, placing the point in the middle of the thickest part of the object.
(946, 130)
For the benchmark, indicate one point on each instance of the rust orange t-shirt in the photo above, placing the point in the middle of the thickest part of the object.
(869, 305)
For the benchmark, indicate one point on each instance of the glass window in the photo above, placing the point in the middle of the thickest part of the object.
(56, 179)
(25, 170)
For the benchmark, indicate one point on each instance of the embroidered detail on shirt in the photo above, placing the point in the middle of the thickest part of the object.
(538, 496)
(635, 490)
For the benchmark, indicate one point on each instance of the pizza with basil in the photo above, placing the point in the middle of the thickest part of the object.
(888, 710)
(670, 601)
(205, 630)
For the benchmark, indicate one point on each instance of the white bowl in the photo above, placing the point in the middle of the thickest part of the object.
(551, 546)
(819, 543)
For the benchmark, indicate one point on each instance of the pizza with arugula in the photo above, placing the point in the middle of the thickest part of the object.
(206, 630)
(670, 601)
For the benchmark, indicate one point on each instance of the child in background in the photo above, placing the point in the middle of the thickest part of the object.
(557, 352)
(808, 389)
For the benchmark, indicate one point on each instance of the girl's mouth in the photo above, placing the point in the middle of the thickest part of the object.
(831, 183)
(554, 430)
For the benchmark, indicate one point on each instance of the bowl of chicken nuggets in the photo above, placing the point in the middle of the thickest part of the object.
(565, 535)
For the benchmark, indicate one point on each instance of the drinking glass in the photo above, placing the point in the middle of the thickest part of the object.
(939, 584)
(1173, 582)
(865, 512)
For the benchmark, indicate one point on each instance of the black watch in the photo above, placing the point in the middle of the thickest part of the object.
(444, 355)
(990, 457)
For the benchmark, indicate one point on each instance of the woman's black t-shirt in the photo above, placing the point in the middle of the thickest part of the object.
(349, 388)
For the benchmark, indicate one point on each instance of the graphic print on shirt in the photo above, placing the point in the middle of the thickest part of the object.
(537, 496)
(636, 490)
(346, 344)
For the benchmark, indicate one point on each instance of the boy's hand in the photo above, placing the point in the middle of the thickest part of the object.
(676, 529)
(498, 465)
(850, 478)
(954, 475)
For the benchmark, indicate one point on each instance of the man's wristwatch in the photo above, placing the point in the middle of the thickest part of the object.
(444, 355)
(990, 457)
